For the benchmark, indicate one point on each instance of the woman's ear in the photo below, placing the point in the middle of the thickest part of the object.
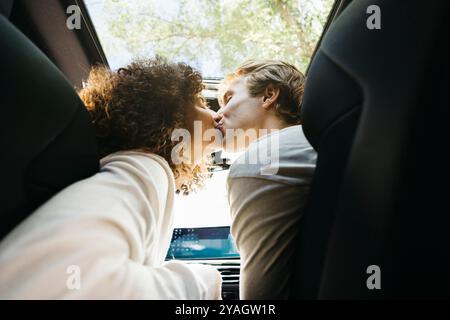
(271, 94)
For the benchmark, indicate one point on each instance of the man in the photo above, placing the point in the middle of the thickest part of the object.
(268, 184)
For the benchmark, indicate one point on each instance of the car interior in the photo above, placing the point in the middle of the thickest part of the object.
(375, 109)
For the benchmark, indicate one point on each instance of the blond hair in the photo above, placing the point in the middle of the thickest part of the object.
(261, 73)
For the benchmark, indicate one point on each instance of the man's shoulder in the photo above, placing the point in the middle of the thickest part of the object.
(283, 155)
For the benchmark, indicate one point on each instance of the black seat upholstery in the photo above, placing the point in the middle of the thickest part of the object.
(376, 111)
(6, 7)
(46, 139)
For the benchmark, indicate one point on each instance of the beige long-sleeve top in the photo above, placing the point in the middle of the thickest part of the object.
(268, 186)
(104, 237)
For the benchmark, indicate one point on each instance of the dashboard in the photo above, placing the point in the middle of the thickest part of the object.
(213, 246)
(202, 243)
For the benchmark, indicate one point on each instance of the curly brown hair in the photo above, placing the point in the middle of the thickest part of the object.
(138, 107)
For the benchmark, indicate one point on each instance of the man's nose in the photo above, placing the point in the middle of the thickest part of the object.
(220, 112)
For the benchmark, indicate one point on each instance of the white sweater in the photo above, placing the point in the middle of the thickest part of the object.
(104, 237)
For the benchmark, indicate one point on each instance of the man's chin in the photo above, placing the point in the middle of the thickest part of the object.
(231, 146)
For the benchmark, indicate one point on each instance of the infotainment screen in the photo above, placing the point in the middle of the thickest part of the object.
(202, 243)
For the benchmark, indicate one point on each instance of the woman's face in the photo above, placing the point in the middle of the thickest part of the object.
(202, 124)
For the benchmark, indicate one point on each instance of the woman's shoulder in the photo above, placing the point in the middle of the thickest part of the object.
(137, 158)
(139, 164)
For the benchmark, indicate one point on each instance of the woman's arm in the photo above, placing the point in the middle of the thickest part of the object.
(104, 238)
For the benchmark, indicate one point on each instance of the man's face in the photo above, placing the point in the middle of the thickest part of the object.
(241, 111)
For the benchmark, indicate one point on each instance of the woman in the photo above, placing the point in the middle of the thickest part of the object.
(107, 236)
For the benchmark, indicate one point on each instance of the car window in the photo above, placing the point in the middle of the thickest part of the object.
(212, 35)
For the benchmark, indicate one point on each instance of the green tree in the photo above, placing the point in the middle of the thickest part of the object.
(213, 35)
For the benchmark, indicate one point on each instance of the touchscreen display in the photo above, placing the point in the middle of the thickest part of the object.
(202, 243)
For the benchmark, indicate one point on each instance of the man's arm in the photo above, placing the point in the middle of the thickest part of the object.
(265, 221)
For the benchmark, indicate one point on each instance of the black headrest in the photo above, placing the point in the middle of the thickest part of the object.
(6, 7)
(46, 138)
(327, 99)
(357, 66)
(331, 91)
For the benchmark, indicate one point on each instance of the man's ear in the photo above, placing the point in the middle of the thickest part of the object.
(271, 94)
